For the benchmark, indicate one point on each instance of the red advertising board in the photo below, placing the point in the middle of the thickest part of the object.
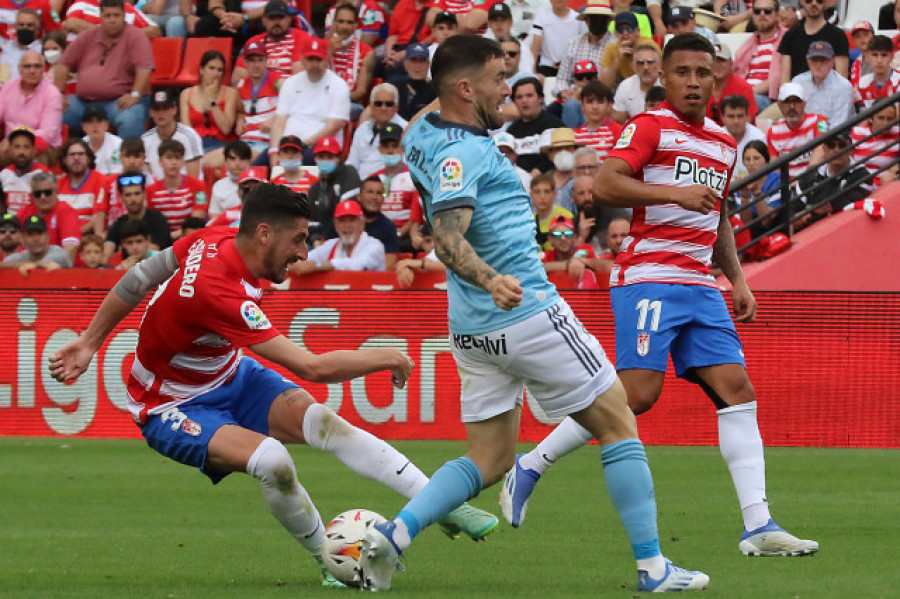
(823, 365)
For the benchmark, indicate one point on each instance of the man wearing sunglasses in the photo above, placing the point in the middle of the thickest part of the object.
(130, 186)
(38, 252)
(578, 260)
(757, 60)
(796, 42)
(61, 219)
(617, 63)
(10, 235)
(364, 156)
(16, 177)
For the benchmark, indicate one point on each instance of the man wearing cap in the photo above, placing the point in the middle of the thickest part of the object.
(60, 219)
(757, 60)
(500, 27)
(281, 44)
(861, 33)
(561, 152)
(163, 110)
(416, 91)
(104, 145)
(248, 180)
(445, 25)
(570, 111)
(588, 46)
(796, 128)
(567, 255)
(506, 143)
(32, 101)
(313, 104)
(378, 226)
(351, 59)
(617, 63)
(727, 83)
(683, 20)
(833, 181)
(258, 92)
(114, 62)
(38, 252)
(826, 91)
(796, 42)
(16, 177)
(290, 157)
(338, 181)
(10, 235)
(131, 188)
(353, 249)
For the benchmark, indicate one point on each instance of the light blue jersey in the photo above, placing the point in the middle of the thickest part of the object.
(456, 165)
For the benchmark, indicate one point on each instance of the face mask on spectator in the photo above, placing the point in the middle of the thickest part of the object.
(234, 177)
(24, 36)
(51, 56)
(390, 160)
(564, 161)
(326, 166)
(293, 165)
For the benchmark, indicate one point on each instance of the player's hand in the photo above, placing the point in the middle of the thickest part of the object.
(506, 291)
(744, 303)
(697, 198)
(70, 361)
(402, 368)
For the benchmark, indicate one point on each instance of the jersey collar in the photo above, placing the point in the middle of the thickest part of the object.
(436, 121)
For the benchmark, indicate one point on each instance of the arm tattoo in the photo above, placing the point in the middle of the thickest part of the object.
(724, 250)
(454, 251)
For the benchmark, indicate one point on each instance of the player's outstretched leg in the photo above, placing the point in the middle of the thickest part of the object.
(369, 456)
(519, 483)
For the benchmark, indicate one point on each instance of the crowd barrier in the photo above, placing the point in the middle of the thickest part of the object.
(824, 365)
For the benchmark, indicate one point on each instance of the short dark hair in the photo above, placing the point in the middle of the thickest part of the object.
(543, 178)
(880, 43)
(596, 90)
(758, 145)
(459, 54)
(58, 36)
(693, 42)
(275, 205)
(21, 132)
(132, 146)
(171, 145)
(193, 222)
(238, 149)
(346, 6)
(526, 81)
(735, 101)
(112, 4)
(76, 141)
(133, 228)
(372, 179)
(657, 93)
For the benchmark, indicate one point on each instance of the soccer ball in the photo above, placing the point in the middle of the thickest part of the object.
(342, 546)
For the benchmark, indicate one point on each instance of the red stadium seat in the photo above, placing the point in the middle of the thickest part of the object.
(167, 53)
(194, 49)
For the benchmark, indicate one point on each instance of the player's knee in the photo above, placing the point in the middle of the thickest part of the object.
(641, 401)
(321, 425)
(272, 464)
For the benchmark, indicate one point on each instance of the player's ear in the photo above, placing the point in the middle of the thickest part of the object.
(464, 89)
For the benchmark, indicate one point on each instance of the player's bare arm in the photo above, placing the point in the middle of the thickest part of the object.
(336, 366)
(615, 185)
(725, 257)
(454, 251)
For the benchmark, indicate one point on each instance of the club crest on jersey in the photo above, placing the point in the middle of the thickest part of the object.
(254, 317)
(190, 427)
(643, 344)
(451, 174)
(689, 169)
(626, 136)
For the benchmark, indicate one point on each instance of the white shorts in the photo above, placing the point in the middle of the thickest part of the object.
(563, 366)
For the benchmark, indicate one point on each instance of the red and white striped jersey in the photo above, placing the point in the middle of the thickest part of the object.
(262, 108)
(400, 196)
(784, 140)
(862, 154)
(89, 10)
(302, 185)
(347, 62)
(761, 63)
(18, 188)
(371, 18)
(196, 324)
(86, 197)
(280, 54)
(666, 243)
(177, 204)
(461, 8)
(868, 91)
(602, 139)
(8, 9)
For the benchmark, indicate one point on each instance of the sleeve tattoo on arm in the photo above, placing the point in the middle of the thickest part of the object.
(454, 251)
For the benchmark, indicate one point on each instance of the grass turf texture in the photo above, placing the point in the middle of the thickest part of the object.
(86, 518)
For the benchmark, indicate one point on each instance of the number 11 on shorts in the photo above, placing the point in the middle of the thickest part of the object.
(644, 306)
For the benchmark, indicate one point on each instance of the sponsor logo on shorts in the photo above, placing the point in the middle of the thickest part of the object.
(643, 344)
(492, 347)
(626, 136)
(190, 427)
(254, 317)
(451, 174)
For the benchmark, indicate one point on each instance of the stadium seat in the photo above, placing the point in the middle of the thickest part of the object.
(193, 51)
(167, 52)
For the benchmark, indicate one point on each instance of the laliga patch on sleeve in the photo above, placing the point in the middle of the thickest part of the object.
(451, 175)
(627, 134)
(254, 317)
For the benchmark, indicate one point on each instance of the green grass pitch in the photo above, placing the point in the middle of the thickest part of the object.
(85, 518)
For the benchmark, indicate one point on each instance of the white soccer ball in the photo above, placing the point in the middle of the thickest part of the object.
(343, 539)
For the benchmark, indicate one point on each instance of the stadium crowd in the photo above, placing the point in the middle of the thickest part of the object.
(101, 168)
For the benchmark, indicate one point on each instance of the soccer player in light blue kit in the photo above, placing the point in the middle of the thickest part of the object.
(505, 321)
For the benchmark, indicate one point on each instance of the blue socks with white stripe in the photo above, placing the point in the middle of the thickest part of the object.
(630, 487)
(452, 484)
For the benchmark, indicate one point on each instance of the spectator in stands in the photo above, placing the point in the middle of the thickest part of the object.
(631, 94)
(588, 46)
(38, 252)
(337, 182)
(350, 58)
(176, 195)
(167, 15)
(682, 20)
(561, 152)
(445, 25)
(192, 224)
(52, 46)
(587, 161)
(796, 42)
(258, 93)
(312, 105)
(883, 80)
(82, 187)
(364, 155)
(861, 34)
(163, 111)
(834, 184)
(130, 186)
(402, 201)
(617, 63)
(210, 108)
(27, 37)
(353, 249)
(83, 15)
(755, 158)
(656, 95)
(32, 101)
(796, 128)
(225, 190)
(114, 63)
(249, 179)
(290, 157)
(600, 131)
(880, 150)
(135, 244)
(60, 219)
(371, 22)
(10, 24)
(472, 14)
(553, 28)
(757, 60)
(106, 146)
(543, 196)
(378, 225)
(567, 255)
(827, 92)
(281, 44)
(506, 143)
(532, 129)
(407, 268)
(615, 234)
(570, 110)
(407, 25)
(415, 90)
(726, 83)
(736, 119)
(91, 251)
(513, 53)
(226, 18)
(10, 235)
(16, 177)
(592, 219)
(133, 159)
